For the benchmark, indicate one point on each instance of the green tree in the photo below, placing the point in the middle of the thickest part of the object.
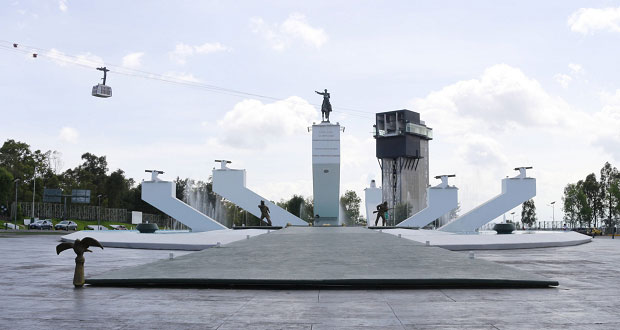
(181, 185)
(592, 191)
(528, 213)
(6, 187)
(570, 204)
(116, 188)
(351, 204)
(17, 158)
(308, 210)
(609, 179)
(91, 175)
(294, 205)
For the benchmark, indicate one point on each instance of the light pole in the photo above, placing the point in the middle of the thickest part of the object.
(34, 190)
(513, 216)
(99, 213)
(16, 181)
(553, 212)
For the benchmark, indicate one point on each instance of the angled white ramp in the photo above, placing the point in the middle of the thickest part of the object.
(441, 199)
(515, 191)
(230, 184)
(162, 195)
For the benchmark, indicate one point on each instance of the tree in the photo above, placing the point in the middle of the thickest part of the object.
(6, 187)
(571, 204)
(116, 188)
(351, 204)
(528, 213)
(592, 191)
(308, 210)
(181, 186)
(609, 179)
(17, 158)
(294, 205)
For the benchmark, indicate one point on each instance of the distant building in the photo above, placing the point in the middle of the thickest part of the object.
(402, 150)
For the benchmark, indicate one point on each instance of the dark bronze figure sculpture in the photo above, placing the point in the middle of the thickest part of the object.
(79, 247)
(326, 107)
(381, 211)
(264, 212)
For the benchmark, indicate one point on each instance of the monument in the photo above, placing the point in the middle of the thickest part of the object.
(326, 168)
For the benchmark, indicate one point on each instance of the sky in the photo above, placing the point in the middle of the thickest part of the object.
(502, 84)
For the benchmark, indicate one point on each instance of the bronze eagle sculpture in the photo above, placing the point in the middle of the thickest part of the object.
(79, 247)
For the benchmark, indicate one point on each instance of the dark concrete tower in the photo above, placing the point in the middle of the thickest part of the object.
(402, 151)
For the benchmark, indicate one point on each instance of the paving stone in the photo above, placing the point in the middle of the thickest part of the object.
(36, 293)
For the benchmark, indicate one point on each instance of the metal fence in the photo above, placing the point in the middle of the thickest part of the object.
(93, 213)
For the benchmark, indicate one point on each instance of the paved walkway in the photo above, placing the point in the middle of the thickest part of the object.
(36, 293)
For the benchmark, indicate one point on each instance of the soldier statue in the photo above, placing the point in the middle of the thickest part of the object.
(381, 211)
(326, 107)
(264, 212)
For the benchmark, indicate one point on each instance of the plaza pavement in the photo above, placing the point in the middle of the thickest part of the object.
(36, 293)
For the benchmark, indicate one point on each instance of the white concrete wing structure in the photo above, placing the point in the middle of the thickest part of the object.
(515, 191)
(441, 199)
(230, 184)
(162, 195)
(326, 173)
(372, 198)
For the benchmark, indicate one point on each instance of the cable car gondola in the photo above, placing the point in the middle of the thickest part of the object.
(101, 90)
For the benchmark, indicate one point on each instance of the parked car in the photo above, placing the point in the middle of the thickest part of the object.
(95, 227)
(118, 227)
(66, 225)
(589, 231)
(8, 225)
(41, 224)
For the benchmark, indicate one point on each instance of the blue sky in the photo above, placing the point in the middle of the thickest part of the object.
(503, 84)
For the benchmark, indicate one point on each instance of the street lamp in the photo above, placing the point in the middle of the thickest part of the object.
(34, 190)
(553, 212)
(16, 181)
(99, 213)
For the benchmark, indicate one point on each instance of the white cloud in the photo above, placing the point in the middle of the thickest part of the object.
(87, 58)
(62, 5)
(133, 60)
(605, 124)
(208, 48)
(185, 77)
(68, 134)
(503, 96)
(182, 51)
(590, 20)
(481, 150)
(486, 126)
(252, 124)
(576, 68)
(563, 79)
(295, 27)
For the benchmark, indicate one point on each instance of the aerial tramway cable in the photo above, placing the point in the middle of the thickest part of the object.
(117, 69)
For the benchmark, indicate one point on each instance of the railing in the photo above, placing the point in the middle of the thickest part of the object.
(411, 128)
(87, 212)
